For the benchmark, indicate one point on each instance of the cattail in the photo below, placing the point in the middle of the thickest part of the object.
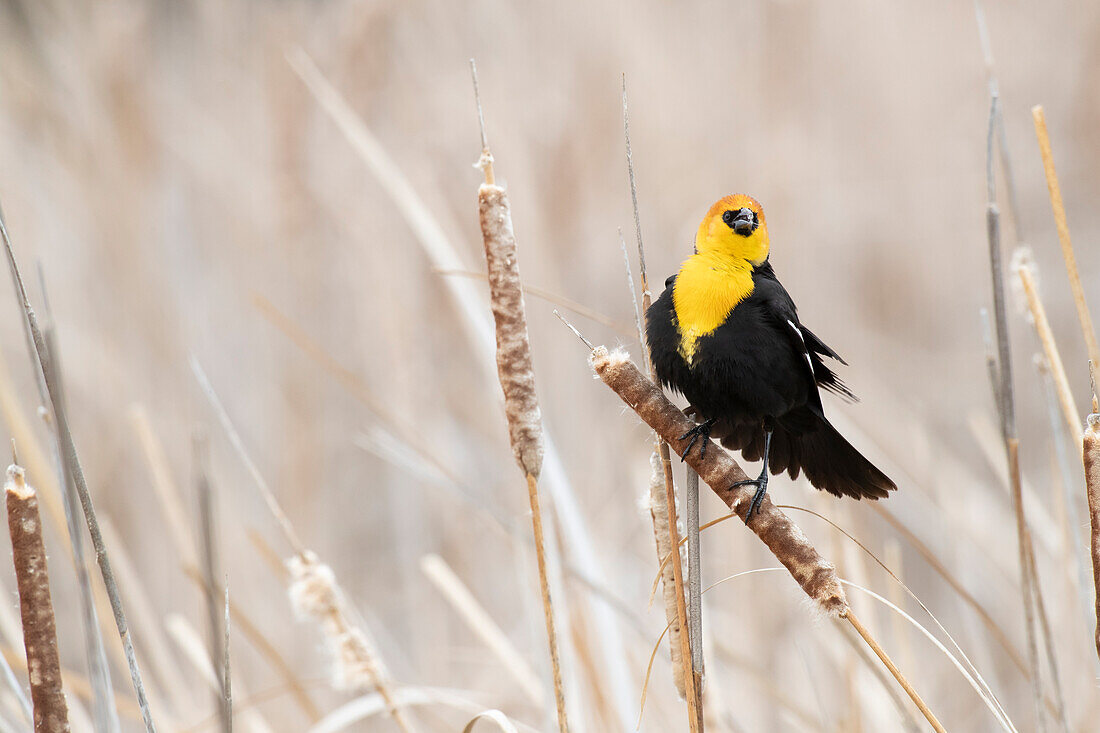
(516, 371)
(1091, 454)
(1059, 209)
(1026, 271)
(315, 594)
(39, 628)
(514, 367)
(676, 602)
(775, 529)
(658, 512)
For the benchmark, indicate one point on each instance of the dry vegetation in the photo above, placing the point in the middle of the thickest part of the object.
(258, 225)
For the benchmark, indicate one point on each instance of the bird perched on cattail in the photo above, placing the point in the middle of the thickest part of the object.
(725, 334)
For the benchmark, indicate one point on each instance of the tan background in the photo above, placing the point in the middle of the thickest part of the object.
(164, 164)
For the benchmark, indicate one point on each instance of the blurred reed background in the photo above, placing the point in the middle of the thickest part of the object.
(186, 193)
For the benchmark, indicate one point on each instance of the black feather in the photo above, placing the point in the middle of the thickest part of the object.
(762, 364)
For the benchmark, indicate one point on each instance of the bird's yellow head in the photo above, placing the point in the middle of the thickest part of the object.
(734, 228)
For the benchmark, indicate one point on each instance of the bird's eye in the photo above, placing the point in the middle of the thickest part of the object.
(727, 217)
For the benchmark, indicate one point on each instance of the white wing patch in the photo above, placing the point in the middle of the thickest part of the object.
(805, 351)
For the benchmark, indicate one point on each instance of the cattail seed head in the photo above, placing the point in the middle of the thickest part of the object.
(315, 594)
(514, 366)
(658, 508)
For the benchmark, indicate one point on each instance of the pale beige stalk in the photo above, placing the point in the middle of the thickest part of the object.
(1059, 210)
(676, 602)
(662, 534)
(72, 465)
(482, 624)
(1006, 407)
(313, 588)
(1050, 348)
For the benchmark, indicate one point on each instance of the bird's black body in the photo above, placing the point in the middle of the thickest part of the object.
(761, 369)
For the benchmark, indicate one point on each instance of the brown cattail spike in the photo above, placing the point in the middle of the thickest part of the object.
(51, 713)
(514, 366)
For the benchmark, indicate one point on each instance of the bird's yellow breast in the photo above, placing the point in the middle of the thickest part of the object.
(706, 290)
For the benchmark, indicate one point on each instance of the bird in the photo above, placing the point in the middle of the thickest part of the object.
(725, 334)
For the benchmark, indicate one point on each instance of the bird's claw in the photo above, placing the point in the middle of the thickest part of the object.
(702, 430)
(761, 484)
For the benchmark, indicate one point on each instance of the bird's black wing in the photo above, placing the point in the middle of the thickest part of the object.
(825, 377)
(803, 340)
(804, 440)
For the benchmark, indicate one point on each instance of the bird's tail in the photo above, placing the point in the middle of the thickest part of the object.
(811, 445)
(832, 464)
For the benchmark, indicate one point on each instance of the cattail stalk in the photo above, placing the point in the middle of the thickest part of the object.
(210, 556)
(516, 373)
(1050, 348)
(783, 537)
(1006, 408)
(51, 714)
(103, 705)
(173, 513)
(71, 461)
(664, 538)
(227, 669)
(1059, 210)
(1091, 456)
(686, 674)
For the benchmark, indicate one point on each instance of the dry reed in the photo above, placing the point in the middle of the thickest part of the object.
(482, 624)
(227, 670)
(71, 461)
(516, 371)
(39, 627)
(172, 510)
(210, 560)
(658, 511)
(1007, 412)
(783, 537)
(423, 220)
(1059, 209)
(1091, 458)
(313, 590)
(687, 680)
(1050, 348)
(495, 716)
(103, 705)
(367, 706)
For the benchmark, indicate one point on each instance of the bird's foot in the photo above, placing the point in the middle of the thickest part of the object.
(761, 484)
(702, 430)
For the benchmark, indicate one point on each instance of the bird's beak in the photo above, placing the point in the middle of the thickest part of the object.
(743, 223)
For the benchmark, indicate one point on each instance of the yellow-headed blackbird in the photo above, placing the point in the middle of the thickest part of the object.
(726, 335)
